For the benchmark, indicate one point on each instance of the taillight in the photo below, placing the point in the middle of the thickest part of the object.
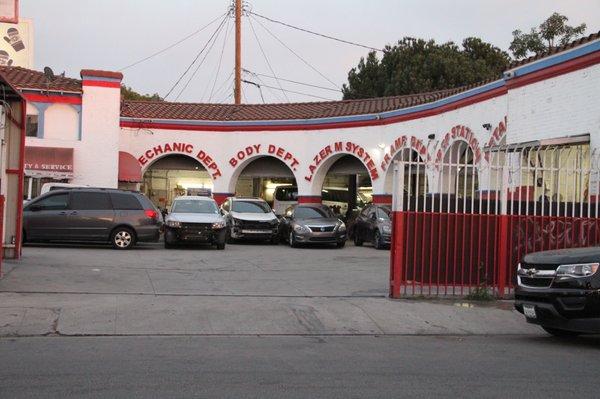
(151, 213)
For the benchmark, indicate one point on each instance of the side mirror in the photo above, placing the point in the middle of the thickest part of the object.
(374, 216)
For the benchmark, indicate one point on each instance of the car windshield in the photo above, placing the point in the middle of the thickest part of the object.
(286, 193)
(307, 212)
(250, 207)
(194, 206)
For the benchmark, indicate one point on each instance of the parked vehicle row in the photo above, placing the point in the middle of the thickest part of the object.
(123, 218)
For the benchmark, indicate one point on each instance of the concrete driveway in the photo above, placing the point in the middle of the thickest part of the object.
(244, 290)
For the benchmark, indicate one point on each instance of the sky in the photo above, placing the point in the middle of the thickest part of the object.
(71, 35)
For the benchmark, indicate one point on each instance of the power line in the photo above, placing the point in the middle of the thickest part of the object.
(293, 81)
(293, 92)
(316, 33)
(210, 44)
(258, 86)
(223, 84)
(195, 58)
(174, 44)
(296, 54)
(266, 59)
(212, 90)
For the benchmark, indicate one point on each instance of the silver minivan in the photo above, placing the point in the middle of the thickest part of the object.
(121, 218)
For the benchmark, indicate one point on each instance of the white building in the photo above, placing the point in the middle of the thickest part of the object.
(80, 131)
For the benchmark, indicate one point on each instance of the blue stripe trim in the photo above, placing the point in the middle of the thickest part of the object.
(555, 60)
(58, 92)
(324, 121)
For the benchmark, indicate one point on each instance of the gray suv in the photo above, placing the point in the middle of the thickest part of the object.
(119, 217)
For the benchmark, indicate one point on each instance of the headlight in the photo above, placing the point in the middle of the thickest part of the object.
(341, 226)
(386, 229)
(218, 225)
(173, 223)
(274, 222)
(236, 222)
(301, 229)
(577, 270)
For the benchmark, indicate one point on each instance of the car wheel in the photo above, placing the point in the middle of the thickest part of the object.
(557, 332)
(292, 240)
(221, 245)
(275, 240)
(341, 244)
(357, 240)
(229, 239)
(122, 238)
(377, 244)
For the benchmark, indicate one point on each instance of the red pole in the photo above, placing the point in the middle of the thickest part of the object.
(397, 254)
(503, 254)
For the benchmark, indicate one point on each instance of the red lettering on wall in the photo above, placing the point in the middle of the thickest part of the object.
(186, 148)
(343, 147)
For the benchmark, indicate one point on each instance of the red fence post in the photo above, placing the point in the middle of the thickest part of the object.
(503, 253)
(397, 254)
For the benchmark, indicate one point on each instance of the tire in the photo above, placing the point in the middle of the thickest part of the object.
(357, 241)
(122, 238)
(557, 332)
(221, 245)
(275, 240)
(377, 244)
(341, 244)
(292, 240)
(229, 239)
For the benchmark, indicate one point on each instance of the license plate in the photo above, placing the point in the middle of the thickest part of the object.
(255, 231)
(529, 311)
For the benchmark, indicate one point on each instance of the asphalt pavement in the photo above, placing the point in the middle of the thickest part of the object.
(299, 367)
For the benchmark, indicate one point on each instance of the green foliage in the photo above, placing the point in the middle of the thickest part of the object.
(129, 94)
(551, 33)
(416, 66)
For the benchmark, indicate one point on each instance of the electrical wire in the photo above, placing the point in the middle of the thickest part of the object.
(315, 33)
(266, 59)
(295, 92)
(212, 90)
(214, 39)
(196, 57)
(218, 92)
(292, 81)
(173, 45)
(296, 54)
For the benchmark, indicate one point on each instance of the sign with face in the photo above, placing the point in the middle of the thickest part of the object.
(16, 45)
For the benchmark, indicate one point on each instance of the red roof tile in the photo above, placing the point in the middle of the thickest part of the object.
(101, 74)
(23, 78)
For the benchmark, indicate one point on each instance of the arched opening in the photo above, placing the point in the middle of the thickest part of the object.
(415, 173)
(173, 175)
(460, 173)
(268, 178)
(347, 186)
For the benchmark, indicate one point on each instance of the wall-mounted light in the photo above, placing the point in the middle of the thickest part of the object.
(431, 136)
(487, 126)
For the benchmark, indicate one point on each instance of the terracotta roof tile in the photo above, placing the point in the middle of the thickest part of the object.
(23, 78)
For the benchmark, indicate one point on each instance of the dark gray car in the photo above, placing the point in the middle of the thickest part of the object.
(373, 224)
(312, 224)
(118, 217)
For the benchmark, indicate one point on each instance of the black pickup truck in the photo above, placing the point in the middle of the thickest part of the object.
(560, 290)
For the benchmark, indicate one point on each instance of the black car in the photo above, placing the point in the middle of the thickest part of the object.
(374, 225)
(312, 224)
(121, 218)
(560, 290)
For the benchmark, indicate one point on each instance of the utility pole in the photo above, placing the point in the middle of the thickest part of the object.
(238, 52)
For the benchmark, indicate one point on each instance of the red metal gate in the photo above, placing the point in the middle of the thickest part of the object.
(468, 226)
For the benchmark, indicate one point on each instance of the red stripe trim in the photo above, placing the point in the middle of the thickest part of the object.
(101, 83)
(13, 171)
(42, 98)
(382, 199)
(556, 70)
(416, 115)
(309, 199)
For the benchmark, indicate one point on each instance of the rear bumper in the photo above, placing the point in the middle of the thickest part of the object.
(566, 309)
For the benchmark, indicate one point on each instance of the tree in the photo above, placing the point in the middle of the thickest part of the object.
(416, 66)
(551, 33)
(129, 94)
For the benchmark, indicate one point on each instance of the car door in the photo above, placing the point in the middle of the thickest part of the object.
(91, 216)
(47, 218)
(284, 224)
(370, 224)
(361, 223)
